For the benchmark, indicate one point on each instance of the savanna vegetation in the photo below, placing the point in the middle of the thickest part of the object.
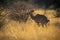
(15, 24)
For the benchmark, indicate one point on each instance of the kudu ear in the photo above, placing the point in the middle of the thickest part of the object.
(31, 11)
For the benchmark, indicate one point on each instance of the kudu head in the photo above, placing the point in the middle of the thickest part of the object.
(30, 12)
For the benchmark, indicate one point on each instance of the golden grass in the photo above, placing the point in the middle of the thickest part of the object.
(30, 31)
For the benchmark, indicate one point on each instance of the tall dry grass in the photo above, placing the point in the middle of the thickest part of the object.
(30, 31)
(14, 30)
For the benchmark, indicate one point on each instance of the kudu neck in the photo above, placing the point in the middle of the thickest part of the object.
(31, 15)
